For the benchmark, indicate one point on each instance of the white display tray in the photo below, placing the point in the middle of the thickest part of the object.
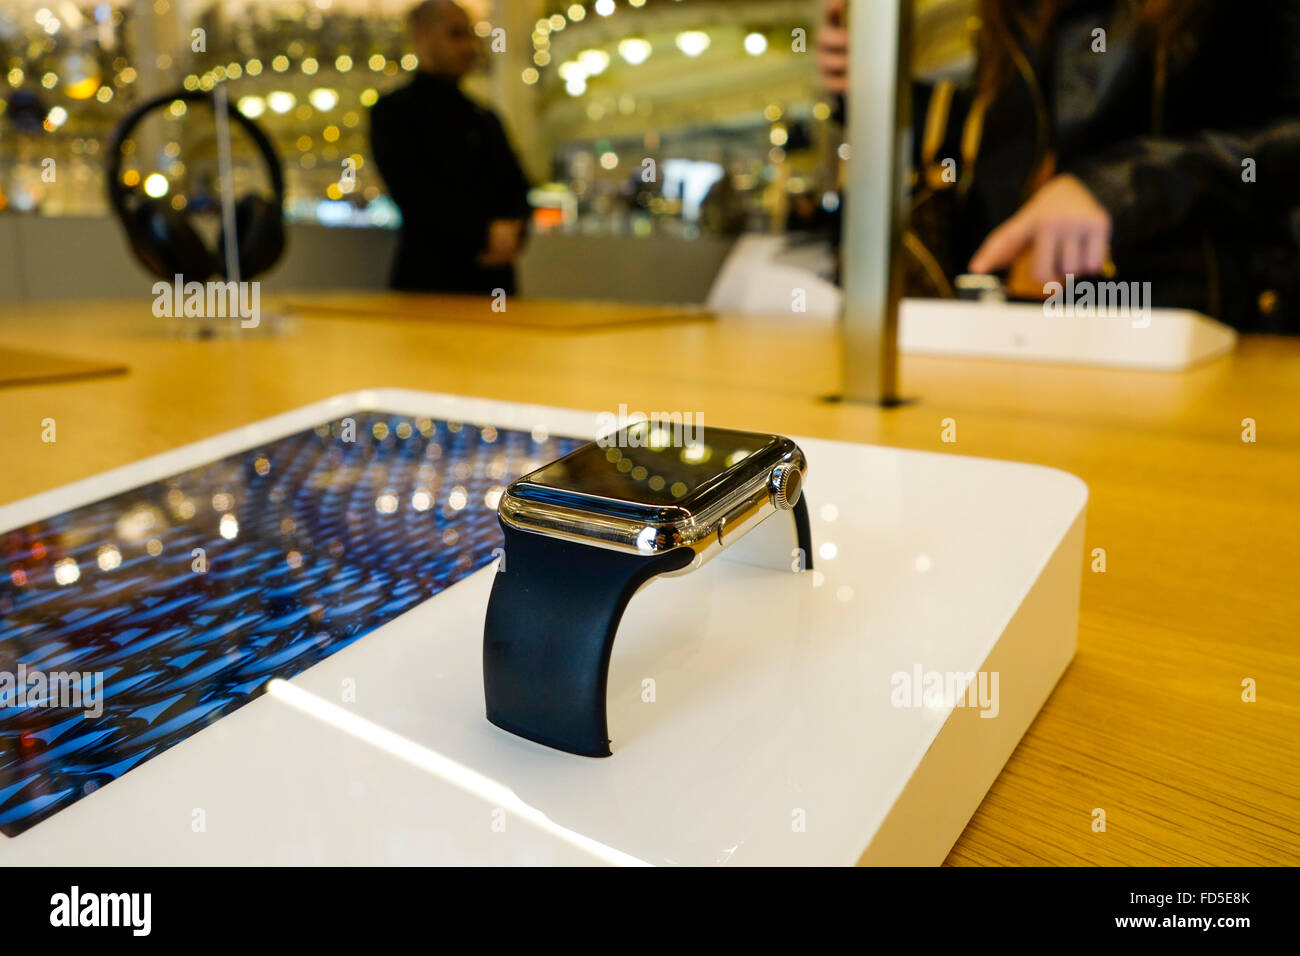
(1165, 340)
(765, 276)
(772, 738)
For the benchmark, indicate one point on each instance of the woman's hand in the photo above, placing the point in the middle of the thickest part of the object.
(833, 48)
(1063, 229)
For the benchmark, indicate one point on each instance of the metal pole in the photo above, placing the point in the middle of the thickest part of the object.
(876, 197)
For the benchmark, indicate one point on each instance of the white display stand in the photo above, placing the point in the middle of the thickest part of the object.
(1173, 340)
(771, 738)
(764, 276)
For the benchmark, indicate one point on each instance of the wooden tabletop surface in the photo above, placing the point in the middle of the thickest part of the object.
(1201, 530)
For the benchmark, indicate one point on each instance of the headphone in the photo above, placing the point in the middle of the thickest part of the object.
(163, 239)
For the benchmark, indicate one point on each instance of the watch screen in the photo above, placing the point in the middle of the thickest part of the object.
(651, 463)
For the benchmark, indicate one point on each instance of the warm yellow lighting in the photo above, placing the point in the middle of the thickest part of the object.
(156, 185)
(280, 101)
(82, 89)
(593, 61)
(693, 42)
(323, 98)
(634, 50)
(251, 106)
(66, 571)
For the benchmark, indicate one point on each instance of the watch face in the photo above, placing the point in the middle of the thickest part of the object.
(654, 466)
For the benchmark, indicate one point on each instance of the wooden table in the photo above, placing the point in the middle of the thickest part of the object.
(1201, 530)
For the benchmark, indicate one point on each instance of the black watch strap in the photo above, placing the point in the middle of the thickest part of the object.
(550, 628)
(551, 621)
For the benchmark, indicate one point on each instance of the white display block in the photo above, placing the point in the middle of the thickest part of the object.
(1164, 340)
(767, 736)
(766, 276)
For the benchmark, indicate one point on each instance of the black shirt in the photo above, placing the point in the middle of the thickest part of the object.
(451, 171)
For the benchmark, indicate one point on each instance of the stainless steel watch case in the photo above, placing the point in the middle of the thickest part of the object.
(755, 489)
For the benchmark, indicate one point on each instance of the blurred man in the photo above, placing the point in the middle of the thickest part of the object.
(449, 168)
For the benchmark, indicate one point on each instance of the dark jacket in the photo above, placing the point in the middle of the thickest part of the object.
(450, 169)
(1160, 139)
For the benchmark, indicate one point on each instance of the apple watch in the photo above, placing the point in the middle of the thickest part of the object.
(587, 531)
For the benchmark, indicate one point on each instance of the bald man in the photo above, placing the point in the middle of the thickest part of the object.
(449, 167)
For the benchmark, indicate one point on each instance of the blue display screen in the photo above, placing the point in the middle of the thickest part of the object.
(129, 624)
